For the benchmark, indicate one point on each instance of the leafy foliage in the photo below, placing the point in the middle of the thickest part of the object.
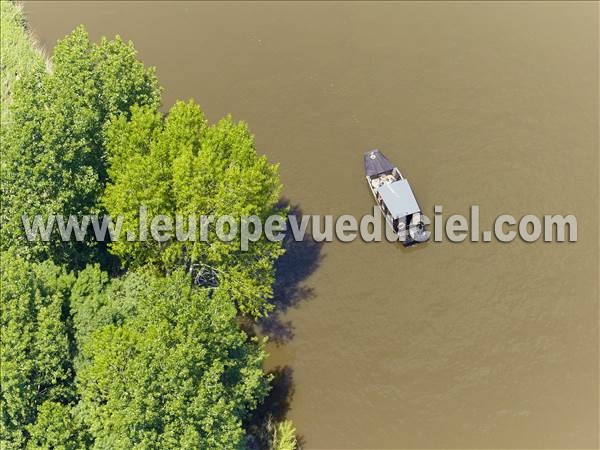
(156, 358)
(54, 161)
(182, 166)
(284, 436)
(172, 370)
(56, 427)
(36, 344)
(20, 56)
(161, 363)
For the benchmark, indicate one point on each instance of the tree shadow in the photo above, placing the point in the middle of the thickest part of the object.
(300, 260)
(273, 410)
(292, 269)
(277, 404)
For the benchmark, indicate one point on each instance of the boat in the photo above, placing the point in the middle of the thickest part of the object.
(395, 197)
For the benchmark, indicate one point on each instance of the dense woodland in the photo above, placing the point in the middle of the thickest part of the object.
(126, 344)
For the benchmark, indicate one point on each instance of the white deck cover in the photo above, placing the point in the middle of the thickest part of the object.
(399, 198)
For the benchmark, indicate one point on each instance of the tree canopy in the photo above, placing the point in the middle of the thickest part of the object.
(180, 165)
(166, 365)
(54, 149)
(151, 357)
(37, 346)
(19, 56)
(159, 363)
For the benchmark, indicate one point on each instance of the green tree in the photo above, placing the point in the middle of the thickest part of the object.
(172, 371)
(155, 359)
(183, 166)
(54, 149)
(284, 436)
(97, 301)
(19, 55)
(36, 348)
(56, 427)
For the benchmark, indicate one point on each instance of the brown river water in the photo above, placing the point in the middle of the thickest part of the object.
(448, 345)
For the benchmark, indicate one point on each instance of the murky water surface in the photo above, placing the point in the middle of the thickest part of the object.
(465, 345)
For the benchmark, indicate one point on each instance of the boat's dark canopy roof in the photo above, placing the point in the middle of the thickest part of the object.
(376, 163)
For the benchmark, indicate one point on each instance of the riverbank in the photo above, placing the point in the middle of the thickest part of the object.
(182, 372)
(489, 345)
(20, 52)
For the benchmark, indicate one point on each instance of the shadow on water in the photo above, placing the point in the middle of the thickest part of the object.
(277, 403)
(413, 248)
(300, 260)
(273, 410)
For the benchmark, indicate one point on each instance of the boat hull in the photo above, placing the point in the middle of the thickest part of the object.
(395, 198)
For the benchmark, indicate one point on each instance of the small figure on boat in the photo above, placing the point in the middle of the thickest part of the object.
(395, 198)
